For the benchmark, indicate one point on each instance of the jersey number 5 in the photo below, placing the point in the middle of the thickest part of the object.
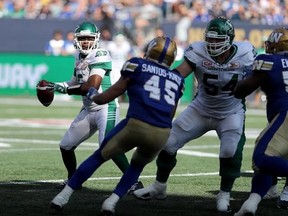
(212, 89)
(152, 85)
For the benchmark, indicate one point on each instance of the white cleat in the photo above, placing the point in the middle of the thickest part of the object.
(272, 193)
(283, 199)
(248, 209)
(223, 202)
(156, 190)
(62, 198)
(250, 206)
(108, 206)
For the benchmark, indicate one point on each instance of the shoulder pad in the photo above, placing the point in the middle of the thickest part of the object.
(131, 65)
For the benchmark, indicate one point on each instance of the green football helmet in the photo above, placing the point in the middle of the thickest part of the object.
(86, 37)
(219, 35)
(277, 41)
(161, 50)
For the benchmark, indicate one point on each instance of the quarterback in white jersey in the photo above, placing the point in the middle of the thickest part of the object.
(92, 69)
(218, 64)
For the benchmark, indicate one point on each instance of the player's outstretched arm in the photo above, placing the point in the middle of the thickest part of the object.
(248, 85)
(111, 93)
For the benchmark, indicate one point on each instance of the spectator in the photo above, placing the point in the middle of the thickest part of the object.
(200, 12)
(17, 9)
(3, 9)
(56, 6)
(45, 12)
(56, 44)
(149, 15)
(217, 10)
(67, 12)
(32, 9)
(183, 24)
(68, 47)
(120, 51)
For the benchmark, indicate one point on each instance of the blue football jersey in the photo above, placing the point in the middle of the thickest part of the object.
(276, 85)
(153, 91)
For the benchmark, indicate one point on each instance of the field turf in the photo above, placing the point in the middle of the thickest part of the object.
(31, 167)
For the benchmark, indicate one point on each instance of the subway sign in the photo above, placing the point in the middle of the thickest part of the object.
(20, 73)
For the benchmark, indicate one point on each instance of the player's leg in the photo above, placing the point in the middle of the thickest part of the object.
(259, 182)
(269, 159)
(151, 142)
(113, 118)
(79, 131)
(107, 150)
(107, 122)
(187, 126)
(232, 140)
(273, 191)
(83, 172)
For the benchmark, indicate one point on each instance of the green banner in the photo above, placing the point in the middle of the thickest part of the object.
(189, 85)
(19, 73)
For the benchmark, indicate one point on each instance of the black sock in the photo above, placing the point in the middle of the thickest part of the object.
(69, 159)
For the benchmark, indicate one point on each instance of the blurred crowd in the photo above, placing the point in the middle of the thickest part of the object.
(139, 12)
(137, 21)
(133, 17)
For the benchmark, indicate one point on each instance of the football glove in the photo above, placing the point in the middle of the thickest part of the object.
(92, 92)
(61, 87)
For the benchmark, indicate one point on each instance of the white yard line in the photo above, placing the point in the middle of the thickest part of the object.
(118, 178)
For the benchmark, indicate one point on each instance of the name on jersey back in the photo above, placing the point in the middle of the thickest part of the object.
(161, 72)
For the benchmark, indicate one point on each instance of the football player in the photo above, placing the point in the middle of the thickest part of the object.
(218, 64)
(92, 69)
(153, 90)
(271, 147)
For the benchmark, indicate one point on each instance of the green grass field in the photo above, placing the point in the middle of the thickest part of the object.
(31, 167)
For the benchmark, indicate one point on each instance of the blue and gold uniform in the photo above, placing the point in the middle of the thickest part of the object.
(270, 156)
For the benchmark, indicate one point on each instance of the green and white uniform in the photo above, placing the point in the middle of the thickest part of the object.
(214, 107)
(92, 117)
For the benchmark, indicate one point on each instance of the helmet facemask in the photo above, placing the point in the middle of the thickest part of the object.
(219, 35)
(86, 38)
(216, 44)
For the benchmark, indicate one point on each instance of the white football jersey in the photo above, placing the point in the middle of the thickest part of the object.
(98, 58)
(216, 81)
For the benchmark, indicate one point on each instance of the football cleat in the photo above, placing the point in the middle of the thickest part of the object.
(138, 185)
(62, 198)
(223, 202)
(156, 190)
(250, 206)
(108, 206)
(247, 209)
(272, 193)
(283, 199)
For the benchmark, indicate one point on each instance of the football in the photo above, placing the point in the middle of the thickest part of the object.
(44, 95)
